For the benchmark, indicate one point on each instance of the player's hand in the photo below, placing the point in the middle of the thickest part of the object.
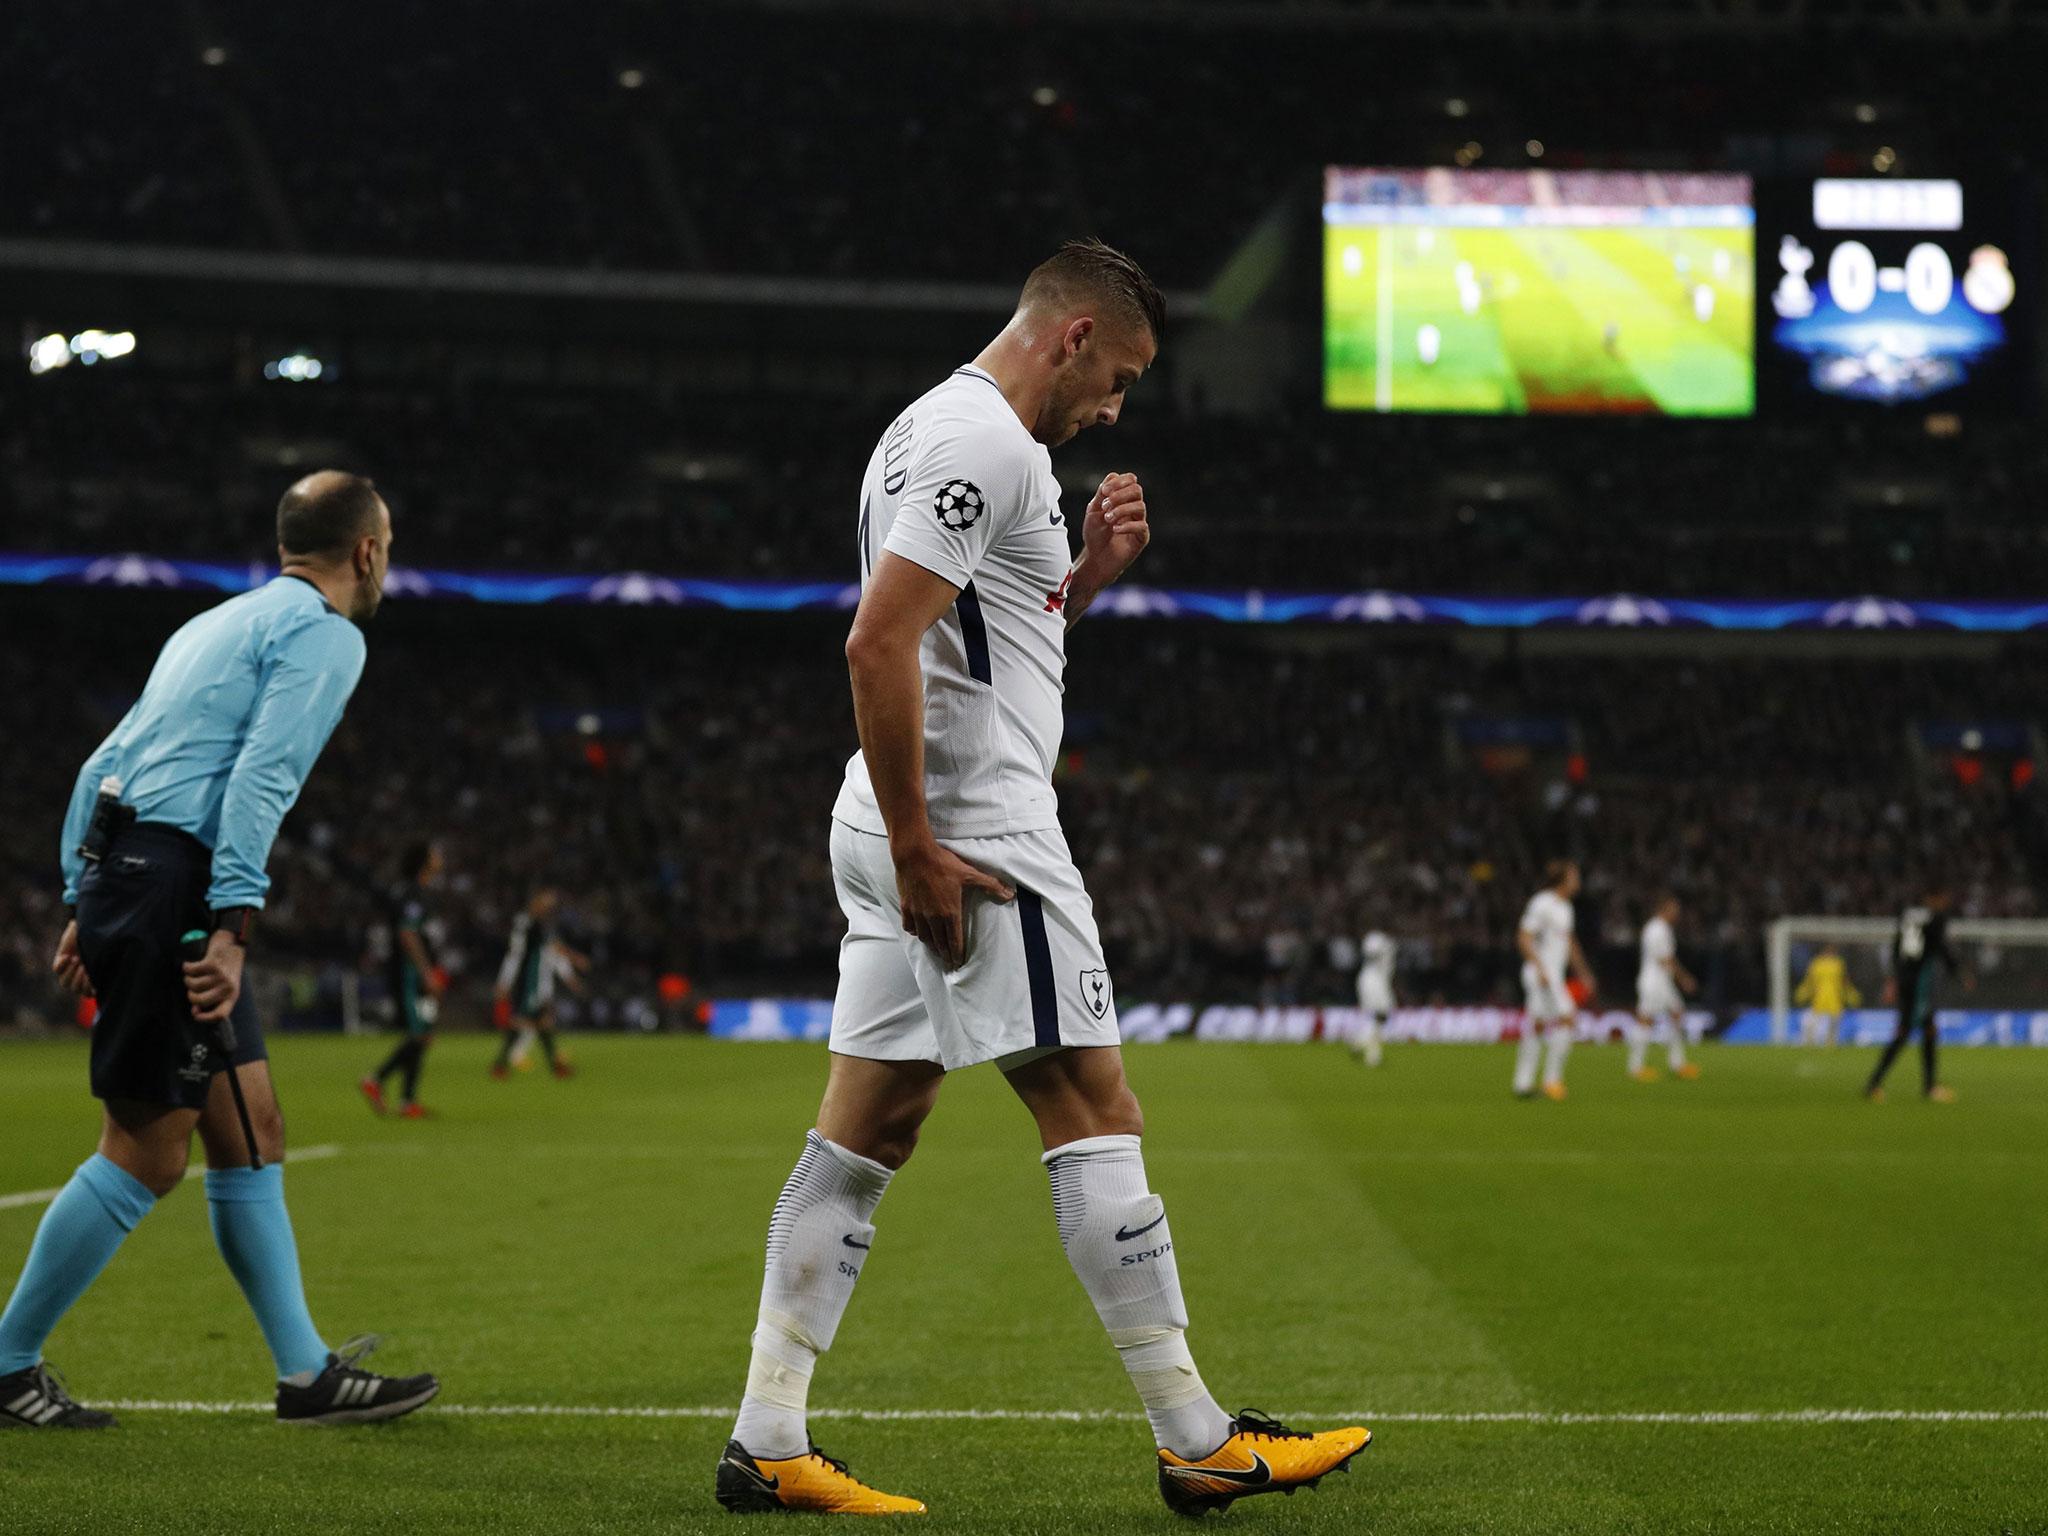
(68, 967)
(1115, 532)
(213, 984)
(931, 889)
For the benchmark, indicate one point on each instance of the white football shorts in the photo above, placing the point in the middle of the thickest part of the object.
(1034, 981)
(1544, 1003)
(1657, 995)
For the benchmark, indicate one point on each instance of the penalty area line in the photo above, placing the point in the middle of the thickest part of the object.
(29, 1197)
(1532, 1417)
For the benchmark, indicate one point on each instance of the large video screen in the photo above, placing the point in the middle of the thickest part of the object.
(1894, 292)
(1534, 292)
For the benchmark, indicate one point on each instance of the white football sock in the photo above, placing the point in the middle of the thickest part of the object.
(1556, 1048)
(1116, 1237)
(818, 1241)
(1528, 1056)
(1676, 1025)
(1369, 1040)
(1638, 1044)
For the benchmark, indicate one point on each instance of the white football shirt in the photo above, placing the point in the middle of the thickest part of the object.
(958, 486)
(1377, 955)
(1659, 945)
(1548, 921)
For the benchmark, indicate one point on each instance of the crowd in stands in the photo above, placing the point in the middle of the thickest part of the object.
(866, 140)
(1242, 802)
(489, 475)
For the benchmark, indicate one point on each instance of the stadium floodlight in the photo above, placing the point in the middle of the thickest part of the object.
(91, 346)
(1866, 942)
(48, 352)
(298, 368)
(632, 79)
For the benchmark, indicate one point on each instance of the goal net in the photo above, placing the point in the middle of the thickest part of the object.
(2008, 957)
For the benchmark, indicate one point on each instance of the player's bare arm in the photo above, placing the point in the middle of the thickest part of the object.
(416, 951)
(901, 602)
(1582, 970)
(1113, 534)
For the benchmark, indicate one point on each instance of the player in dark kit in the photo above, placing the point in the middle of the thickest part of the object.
(1922, 939)
(414, 979)
(535, 959)
(163, 854)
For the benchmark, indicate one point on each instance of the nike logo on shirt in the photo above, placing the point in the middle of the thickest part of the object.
(1124, 1237)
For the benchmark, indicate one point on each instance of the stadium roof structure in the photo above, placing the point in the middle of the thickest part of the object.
(1729, 17)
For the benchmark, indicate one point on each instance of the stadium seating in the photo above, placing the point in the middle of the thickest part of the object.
(1239, 800)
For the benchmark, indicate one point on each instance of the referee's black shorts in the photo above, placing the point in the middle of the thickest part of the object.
(134, 907)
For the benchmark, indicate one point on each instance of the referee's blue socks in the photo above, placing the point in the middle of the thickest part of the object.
(254, 1232)
(77, 1235)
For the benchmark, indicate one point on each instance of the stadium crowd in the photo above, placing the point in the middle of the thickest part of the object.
(745, 137)
(654, 478)
(1242, 802)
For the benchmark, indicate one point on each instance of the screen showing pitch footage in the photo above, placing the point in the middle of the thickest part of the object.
(1885, 292)
(1538, 292)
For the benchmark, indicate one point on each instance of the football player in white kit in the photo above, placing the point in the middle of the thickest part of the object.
(969, 935)
(1377, 954)
(1659, 983)
(1550, 954)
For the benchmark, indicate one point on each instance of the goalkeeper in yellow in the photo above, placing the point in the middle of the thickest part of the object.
(1826, 993)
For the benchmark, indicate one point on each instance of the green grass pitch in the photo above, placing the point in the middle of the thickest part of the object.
(1400, 1243)
(1546, 320)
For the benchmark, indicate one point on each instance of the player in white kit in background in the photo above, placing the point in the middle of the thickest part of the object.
(1377, 955)
(1550, 957)
(1659, 984)
(970, 937)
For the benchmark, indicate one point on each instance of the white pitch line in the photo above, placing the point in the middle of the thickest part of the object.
(45, 1196)
(1535, 1418)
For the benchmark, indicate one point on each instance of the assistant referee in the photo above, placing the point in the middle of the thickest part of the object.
(168, 833)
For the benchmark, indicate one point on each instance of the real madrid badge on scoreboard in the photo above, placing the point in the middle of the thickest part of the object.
(1894, 292)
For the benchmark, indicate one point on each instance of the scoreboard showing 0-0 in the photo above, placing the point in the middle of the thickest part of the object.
(1892, 292)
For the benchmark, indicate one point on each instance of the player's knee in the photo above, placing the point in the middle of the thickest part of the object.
(894, 1140)
(159, 1170)
(267, 1122)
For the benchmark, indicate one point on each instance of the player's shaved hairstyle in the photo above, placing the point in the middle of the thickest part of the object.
(323, 515)
(1085, 272)
(1555, 871)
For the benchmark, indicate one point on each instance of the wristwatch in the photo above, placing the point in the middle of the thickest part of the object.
(235, 922)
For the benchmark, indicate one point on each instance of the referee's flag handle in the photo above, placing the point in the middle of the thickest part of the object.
(192, 947)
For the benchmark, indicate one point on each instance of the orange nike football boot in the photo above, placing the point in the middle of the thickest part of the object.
(1262, 1455)
(820, 1484)
(1689, 1071)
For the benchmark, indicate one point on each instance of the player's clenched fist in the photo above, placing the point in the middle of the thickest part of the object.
(1115, 531)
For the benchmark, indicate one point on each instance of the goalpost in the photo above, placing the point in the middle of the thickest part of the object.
(1866, 943)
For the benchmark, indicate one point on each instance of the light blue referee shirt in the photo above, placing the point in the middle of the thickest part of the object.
(236, 710)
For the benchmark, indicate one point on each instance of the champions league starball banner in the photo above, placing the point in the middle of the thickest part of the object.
(642, 589)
